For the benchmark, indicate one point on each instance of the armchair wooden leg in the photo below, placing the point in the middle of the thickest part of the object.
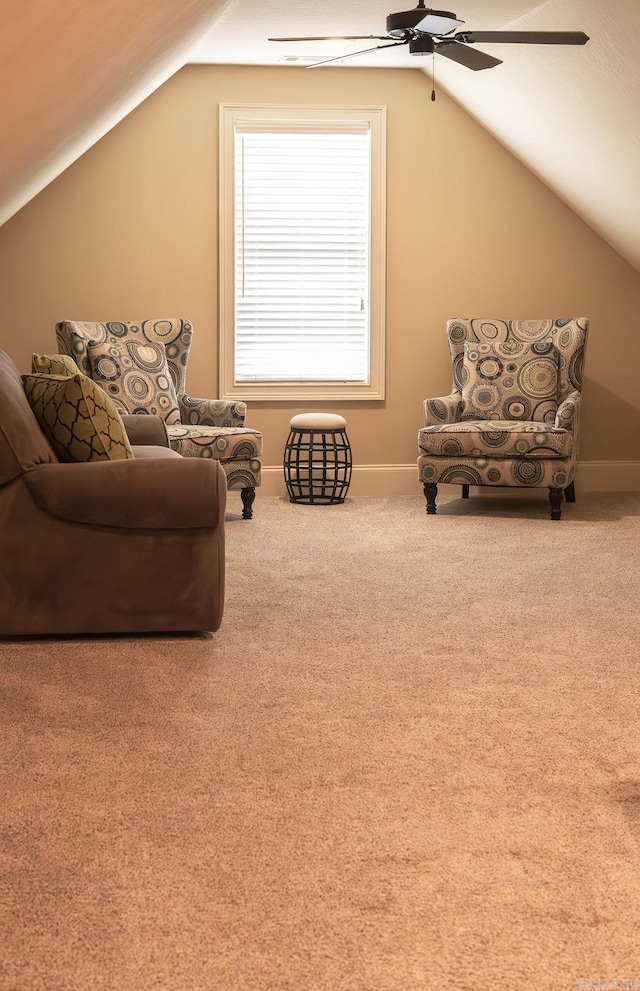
(465, 491)
(430, 492)
(247, 496)
(555, 498)
(570, 492)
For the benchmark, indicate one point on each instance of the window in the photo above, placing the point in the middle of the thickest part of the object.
(302, 252)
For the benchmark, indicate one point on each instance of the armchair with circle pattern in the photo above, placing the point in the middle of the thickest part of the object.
(142, 366)
(513, 413)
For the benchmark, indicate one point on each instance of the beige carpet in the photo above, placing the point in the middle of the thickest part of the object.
(409, 759)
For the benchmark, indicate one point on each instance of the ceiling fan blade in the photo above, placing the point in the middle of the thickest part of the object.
(472, 58)
(342, 37)
(340, 58)
(435, 23)
(524, 37)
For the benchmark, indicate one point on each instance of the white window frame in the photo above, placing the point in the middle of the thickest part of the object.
(374, 387)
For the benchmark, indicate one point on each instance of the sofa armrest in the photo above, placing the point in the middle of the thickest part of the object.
(569, 412)
(211, 412)
(155, 493)
(143, 430)
(443, 409)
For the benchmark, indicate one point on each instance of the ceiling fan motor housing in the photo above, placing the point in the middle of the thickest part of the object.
(402, 24)
(424, 45)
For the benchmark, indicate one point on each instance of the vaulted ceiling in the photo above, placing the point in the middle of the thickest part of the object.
(71, 69)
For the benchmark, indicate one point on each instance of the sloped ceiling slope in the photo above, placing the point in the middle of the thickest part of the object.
(71, 69)
(571, 114)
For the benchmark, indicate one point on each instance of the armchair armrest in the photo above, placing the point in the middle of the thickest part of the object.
(443, 409)
(156, 494)
(211, 412)
(568, 412)
(144, 430)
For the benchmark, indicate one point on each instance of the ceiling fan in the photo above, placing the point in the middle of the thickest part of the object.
(428, 32)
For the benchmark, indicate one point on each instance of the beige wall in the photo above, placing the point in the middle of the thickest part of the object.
(129, 231)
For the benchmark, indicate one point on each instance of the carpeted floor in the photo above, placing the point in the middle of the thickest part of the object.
(408, 761)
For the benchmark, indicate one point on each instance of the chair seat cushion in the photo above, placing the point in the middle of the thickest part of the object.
(495, 439)
(222, 443)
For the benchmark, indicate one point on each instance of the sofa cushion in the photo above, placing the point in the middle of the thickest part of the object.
(136, 376)
(53, 364)
(77, 417)
(510, 381)
(153, 451)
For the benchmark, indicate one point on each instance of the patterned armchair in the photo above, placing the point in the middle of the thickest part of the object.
(142, 366)
(513, 414)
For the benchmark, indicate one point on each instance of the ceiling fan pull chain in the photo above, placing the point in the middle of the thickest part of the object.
(433, 74)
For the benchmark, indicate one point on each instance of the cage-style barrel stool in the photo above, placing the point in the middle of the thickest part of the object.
(317, 459)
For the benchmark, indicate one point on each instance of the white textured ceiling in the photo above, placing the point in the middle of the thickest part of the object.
(71, 69)
(241, 32)
(571, 114)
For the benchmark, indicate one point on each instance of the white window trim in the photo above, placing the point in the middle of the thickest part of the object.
(279, 391)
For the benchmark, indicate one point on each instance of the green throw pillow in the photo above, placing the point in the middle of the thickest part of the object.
(53, 364)
(77, 418)
(510, 382)
(135, 374)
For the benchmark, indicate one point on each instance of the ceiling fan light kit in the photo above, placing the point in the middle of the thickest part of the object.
(430, 32)
(422, 46)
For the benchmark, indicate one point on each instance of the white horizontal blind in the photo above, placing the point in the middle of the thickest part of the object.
(302, 251)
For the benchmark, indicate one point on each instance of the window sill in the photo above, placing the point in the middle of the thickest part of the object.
(278, 392)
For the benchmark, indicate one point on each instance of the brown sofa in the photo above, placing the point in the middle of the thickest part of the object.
(126, 546)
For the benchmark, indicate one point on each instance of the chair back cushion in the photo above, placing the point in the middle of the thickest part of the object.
(510, 381)
(77, 418)
(173, 334)
(568, 337)
(135, 375)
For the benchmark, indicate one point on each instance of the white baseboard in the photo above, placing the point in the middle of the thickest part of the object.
(366, 480)
(608, 476)
(390, 480)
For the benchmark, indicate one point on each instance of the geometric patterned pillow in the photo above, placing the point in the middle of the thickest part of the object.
(510, 381)
(77, 418)
(53, 364)
(136, 377)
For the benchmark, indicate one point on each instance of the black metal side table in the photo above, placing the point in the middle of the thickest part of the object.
(317, 459)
